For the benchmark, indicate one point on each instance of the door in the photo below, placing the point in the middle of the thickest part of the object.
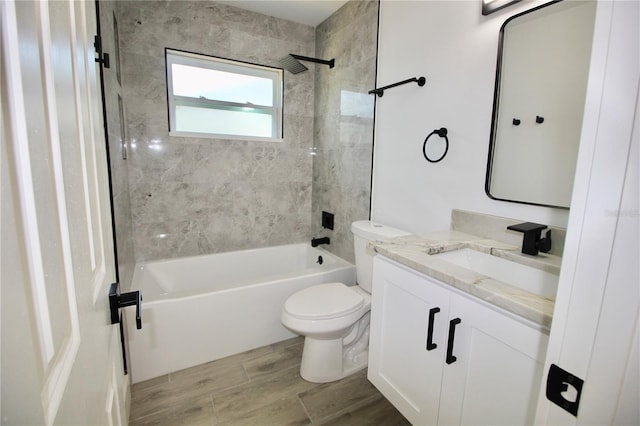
(406, 360)
(61, 361)
(594, 334)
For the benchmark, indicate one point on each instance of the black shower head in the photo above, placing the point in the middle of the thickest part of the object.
(292, 63)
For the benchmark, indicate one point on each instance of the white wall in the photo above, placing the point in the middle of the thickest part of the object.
(455, 48)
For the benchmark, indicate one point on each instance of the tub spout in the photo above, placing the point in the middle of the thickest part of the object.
(315, 242)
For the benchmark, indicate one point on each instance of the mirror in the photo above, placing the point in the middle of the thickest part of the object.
(541, 81)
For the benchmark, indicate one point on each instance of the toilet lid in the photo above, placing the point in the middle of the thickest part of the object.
(324, 301)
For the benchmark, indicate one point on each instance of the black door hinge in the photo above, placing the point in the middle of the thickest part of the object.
(103, 58)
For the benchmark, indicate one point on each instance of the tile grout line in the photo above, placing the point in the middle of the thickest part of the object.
(193, 398)
(213, 409)
(304, 408)
(246, 373)
(353, 407)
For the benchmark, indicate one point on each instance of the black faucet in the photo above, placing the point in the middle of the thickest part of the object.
(315, 242)
(532, 243)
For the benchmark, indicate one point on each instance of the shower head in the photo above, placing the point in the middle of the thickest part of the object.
(291, 62)
(292, 65)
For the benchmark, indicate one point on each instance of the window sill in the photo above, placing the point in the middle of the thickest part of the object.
(224, 137)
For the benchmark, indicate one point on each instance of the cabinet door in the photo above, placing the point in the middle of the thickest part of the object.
(498, 369)
(400, 366)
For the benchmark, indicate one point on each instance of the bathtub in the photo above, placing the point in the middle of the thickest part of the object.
(202, 308)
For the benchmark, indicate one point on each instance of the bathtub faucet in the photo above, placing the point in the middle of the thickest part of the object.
(315, 242)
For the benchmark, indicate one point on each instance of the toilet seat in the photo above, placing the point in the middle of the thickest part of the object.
(324, 301)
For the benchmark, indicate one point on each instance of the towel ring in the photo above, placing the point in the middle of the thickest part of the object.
(442, 132)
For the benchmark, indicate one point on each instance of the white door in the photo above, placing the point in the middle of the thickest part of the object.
(594, 334)
(61, 360)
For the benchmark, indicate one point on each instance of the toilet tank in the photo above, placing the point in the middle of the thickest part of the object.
(363, 232)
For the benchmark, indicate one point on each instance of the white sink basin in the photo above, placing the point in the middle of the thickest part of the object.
(525, 277)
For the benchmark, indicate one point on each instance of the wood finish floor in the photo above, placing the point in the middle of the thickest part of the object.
(261, 387)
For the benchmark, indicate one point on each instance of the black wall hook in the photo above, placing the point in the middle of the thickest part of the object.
(442, 132)
(539, 119)
(516, 122)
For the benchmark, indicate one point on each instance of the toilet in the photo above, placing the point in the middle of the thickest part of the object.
(334, 317)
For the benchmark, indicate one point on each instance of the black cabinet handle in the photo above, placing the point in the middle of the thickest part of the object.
(432, 313)
(452, 334)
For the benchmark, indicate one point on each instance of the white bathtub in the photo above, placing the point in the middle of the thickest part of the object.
(202, 308)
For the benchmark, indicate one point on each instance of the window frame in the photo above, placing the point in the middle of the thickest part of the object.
(181, 57)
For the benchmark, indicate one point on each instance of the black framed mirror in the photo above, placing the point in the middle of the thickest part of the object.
(540, 87)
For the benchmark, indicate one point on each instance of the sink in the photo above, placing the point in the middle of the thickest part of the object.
(525, 277)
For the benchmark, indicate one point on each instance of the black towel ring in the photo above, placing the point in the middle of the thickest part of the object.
(442, 132)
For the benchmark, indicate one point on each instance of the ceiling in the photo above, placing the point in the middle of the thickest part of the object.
(308, 12)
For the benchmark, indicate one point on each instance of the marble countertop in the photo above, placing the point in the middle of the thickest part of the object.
(416, 252)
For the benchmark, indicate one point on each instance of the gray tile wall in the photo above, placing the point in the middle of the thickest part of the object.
(118, 163)
(193, 196)
(344, 121)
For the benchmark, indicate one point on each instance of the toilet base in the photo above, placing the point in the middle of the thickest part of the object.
(326, 361)
(322, 361)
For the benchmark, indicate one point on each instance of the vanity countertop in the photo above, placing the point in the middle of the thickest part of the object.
(416, 252)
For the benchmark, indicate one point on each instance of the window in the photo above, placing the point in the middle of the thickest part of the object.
(217, 97)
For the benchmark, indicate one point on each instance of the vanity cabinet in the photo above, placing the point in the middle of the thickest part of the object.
(444, 357)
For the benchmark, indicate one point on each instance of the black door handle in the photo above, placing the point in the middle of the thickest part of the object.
(432, 313)
(452, 334)
(117, 301)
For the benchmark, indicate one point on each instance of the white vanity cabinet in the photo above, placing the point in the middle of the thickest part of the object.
(444, 357)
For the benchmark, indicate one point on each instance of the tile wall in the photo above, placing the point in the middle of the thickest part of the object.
(192, 196)
(343, 128)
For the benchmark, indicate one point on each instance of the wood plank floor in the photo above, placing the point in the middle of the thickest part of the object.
(259, 387)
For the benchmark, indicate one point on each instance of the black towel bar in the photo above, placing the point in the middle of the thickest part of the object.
(380, 91)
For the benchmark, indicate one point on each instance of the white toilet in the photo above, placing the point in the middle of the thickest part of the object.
(334, 318)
